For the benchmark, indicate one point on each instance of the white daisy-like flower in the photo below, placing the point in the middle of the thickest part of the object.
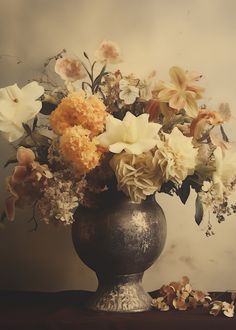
(128, 93)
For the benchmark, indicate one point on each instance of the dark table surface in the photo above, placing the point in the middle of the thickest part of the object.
(65, 311)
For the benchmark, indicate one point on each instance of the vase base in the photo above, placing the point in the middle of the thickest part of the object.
(120, 293)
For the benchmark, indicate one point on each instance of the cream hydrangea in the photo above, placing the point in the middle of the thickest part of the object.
(133, 134)
(134, 175)
(175, 158)
(224, 177)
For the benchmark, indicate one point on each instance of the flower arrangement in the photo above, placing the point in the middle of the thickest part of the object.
(103, 131)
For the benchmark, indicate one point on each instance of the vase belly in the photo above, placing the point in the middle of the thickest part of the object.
(119, 242)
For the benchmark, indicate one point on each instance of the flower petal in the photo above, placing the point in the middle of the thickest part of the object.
(33, 90)
(25, 156)
(178, 77)
(10, 208)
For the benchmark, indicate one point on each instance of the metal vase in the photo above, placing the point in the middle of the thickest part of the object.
(119, 241)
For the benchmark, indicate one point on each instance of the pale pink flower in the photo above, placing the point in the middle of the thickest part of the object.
(181, 92)
(108, 52)
(70, 70)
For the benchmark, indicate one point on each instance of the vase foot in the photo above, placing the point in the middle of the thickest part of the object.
(120, 293)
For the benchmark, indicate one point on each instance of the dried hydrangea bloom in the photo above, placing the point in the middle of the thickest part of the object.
(160, 304)
(108, 52)
(222, 306)
(70, 69)
(60, 198)
(134, 175)
(78, 149)
(181, 296)
(27, 181)
(77, 109)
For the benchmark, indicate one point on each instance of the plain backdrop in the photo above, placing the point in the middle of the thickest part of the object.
(198, 35)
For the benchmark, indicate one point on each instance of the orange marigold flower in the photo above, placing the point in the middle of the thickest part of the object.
(77, 109)
(77, 147)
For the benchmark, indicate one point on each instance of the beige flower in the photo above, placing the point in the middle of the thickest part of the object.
(224, 175)
(225, 307)
(160, 304)
(26, 182)
(175, 158)
(181, 92)
(108, 52)
(59, 200)
(70, 70)
(134, 175)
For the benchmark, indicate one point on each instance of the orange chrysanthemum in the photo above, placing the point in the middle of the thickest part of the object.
(77, 147)
(77, 109)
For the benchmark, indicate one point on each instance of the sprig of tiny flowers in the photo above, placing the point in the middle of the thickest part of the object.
(181, 296)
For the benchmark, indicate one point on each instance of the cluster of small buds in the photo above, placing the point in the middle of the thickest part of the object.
(224, 209)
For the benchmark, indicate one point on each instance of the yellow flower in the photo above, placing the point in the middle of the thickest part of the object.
(181, 92)
(77, 109)
(77, 148)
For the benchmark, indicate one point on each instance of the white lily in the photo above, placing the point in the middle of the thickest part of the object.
(18, 106)
(133, 134)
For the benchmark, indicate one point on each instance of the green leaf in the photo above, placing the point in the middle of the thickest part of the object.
(47, 108)
(35, 123)
(11, 160)
(92, 67)
(224, 136)
(99, 77)
(27, 128)
(86, 83)
(86, 55)
(199, 210)
(184, 191)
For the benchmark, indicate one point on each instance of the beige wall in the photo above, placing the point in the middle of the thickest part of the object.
(195, 34)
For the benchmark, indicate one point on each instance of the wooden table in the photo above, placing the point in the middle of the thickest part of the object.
(65, 311)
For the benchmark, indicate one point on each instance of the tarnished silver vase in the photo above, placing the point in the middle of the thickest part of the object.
(119, 241)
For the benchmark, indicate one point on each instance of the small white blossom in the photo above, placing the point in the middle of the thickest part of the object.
(128, 92)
